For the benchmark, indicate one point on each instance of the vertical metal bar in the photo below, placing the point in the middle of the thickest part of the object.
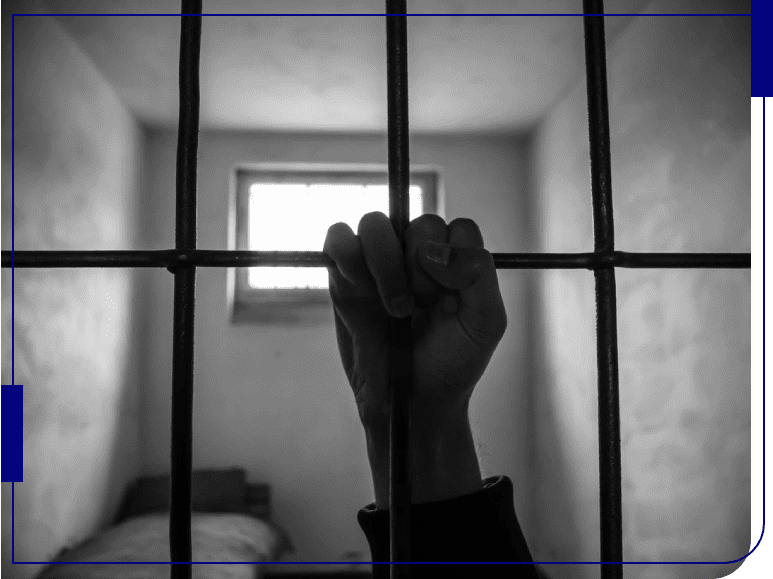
(606, 308)
(401, 338)
(184, 292)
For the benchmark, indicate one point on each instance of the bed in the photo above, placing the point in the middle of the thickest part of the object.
(230, 526)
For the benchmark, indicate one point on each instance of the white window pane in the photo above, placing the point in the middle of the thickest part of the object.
(296, 217)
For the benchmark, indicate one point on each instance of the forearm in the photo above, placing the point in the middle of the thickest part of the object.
(456, 517)
(443, 463)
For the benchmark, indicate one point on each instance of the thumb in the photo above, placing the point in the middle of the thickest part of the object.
(471, 271)
(455, 268)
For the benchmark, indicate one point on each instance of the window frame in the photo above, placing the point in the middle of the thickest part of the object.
(248, 305)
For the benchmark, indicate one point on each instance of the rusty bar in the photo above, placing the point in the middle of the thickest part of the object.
(171, 258)
(400, 335)
(184, 292)
(611, 540)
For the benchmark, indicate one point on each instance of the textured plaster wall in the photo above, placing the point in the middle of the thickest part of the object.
(77, 154)
(680, 134)
(274, 399)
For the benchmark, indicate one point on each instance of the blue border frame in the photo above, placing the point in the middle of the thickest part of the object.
(13, 349)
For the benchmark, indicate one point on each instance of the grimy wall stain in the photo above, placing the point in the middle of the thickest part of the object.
(679, 93)
(77, 152)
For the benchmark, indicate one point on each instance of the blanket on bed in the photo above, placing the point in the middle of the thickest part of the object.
(229, 541)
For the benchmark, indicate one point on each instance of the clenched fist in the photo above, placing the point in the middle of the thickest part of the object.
(446, 281)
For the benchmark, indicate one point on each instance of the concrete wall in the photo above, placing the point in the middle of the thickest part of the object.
(77, 159)
(680, 132)
(275, 399)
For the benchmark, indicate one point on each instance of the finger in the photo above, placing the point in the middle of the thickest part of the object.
(352, 289)
(423, 228)
(360, 319)
(383, 254)
(350, 278)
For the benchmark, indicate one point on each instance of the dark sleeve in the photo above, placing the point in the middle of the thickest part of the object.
(472, 528)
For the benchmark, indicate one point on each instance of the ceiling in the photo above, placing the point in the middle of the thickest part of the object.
(467, 74)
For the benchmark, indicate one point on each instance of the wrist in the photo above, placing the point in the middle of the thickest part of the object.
(442, 459)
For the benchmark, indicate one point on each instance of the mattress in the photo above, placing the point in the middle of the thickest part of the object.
(226, 544)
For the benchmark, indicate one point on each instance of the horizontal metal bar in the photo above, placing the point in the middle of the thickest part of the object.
(173, 258)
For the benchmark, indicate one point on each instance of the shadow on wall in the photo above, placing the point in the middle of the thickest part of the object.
(77, 163)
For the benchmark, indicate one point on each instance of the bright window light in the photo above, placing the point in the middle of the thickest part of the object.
(296, 217)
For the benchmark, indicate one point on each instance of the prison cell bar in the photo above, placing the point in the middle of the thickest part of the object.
(610, 500)
(400, 332)
(184, 293)
(183, 261)
(171, 258)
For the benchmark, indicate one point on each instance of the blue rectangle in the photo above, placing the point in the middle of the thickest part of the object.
(11, 420)
(762, 48)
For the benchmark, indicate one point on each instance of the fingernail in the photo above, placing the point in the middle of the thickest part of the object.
(403, 305)
(438, 252)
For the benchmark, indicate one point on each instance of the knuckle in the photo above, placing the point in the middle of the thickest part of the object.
(462, 220)
(365, 224)
(466, 229)
(427, 226)
(371, 219)
(427, 221)
(337, 231)
(337, 226)
(336, 237)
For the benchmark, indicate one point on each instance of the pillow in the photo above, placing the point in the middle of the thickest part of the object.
(213, 491)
